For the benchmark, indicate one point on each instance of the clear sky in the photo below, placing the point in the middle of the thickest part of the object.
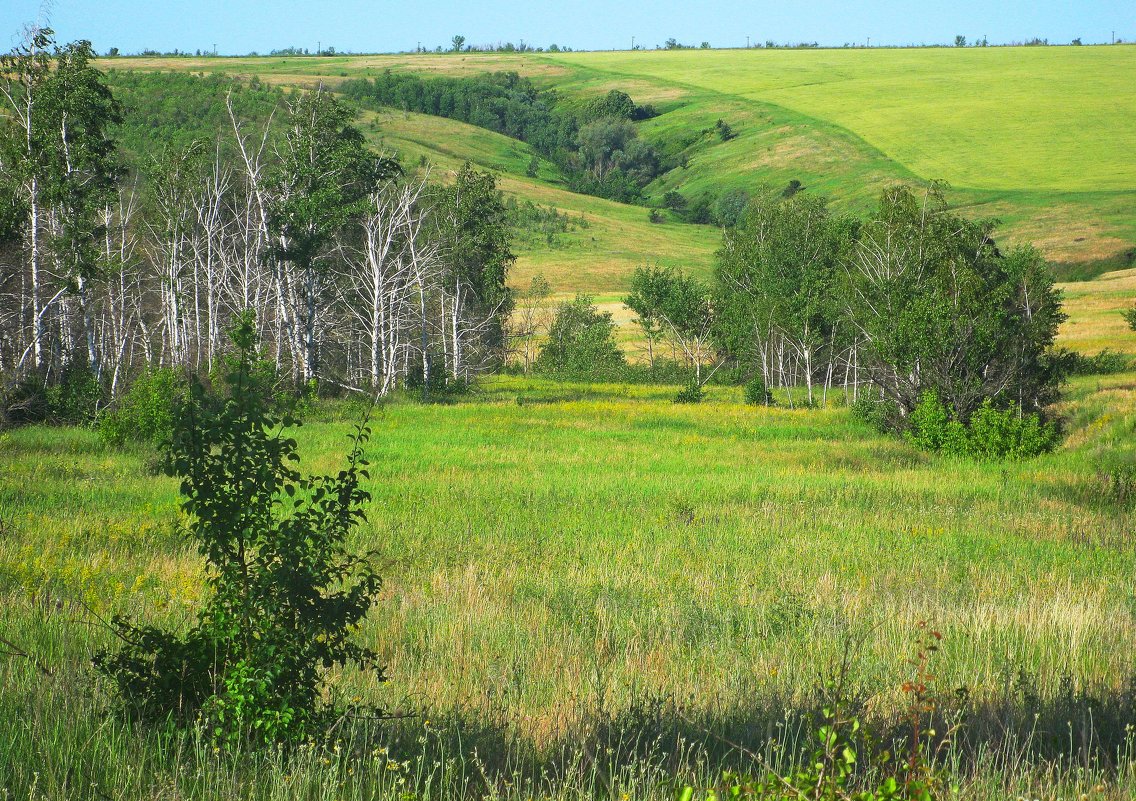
(242, 26)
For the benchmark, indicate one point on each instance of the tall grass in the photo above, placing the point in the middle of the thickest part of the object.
(577, 568)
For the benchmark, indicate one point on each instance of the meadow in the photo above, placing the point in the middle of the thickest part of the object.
(592, 591)
(1007, 128)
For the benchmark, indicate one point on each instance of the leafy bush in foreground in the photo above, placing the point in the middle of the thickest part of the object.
(284, 592)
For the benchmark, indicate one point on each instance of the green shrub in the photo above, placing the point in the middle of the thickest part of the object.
(757, 392)
(145, 412)
(285, 594)
(1008, 434)
(931, 428)
(75, 398)
(991, 433)
(1130, 317)
(691, 393)
(580, 341)
(878, 413)
(1107, 362)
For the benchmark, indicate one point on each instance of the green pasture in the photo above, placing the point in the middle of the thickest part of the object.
(559, 557)
(1038, 137)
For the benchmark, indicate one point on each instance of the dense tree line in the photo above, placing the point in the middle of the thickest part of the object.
(915, 301)
(595, 144)
(357, 273)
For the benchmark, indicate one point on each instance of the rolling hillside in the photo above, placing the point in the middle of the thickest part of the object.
(1040, 138)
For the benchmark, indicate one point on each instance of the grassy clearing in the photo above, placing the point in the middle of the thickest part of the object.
(562, 556)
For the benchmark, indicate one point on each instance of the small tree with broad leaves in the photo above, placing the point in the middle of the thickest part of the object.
(285, 594)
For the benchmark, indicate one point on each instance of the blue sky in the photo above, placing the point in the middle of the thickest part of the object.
(241, 26)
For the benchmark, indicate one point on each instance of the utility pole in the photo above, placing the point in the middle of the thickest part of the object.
(214, 50)
(318, 43)
(869, 41)
(747, 42)
(632, 42)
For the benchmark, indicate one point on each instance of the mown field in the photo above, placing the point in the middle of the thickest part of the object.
(1037, 137)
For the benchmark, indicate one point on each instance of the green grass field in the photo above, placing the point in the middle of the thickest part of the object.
(1037, 137)
(592, 592)
(559, 558)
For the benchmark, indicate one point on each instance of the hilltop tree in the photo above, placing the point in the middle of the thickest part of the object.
(457, 43)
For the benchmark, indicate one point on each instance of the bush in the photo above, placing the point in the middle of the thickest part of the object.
(76, 398)
(145, 413)
(1008, 434)
(757, 392)
(285, 594)
(931, 428)
(691, 393)
(878, 413)
(990, 433)
(1130, 317)
(1107, 362)
(581, 341)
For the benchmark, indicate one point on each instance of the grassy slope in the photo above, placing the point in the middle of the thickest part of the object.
(1038, 137)
(597, 258)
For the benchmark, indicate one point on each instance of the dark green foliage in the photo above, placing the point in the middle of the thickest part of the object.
(75, 397)
(674, 200)
(729, 207)
(942, 309)
(502, 101)
(596, 145)
(581, 341)
(320, 183)
(612, 161)
(472, 222)
(1106, 362)
(1130, 317)
(655, 216)
(614, 104)
(793, 187)
(725, 132)
(757, 392)
(990, 433)
(533, 168)
(691, 393)
(145, 412)
(170, 110)
(284, 593)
